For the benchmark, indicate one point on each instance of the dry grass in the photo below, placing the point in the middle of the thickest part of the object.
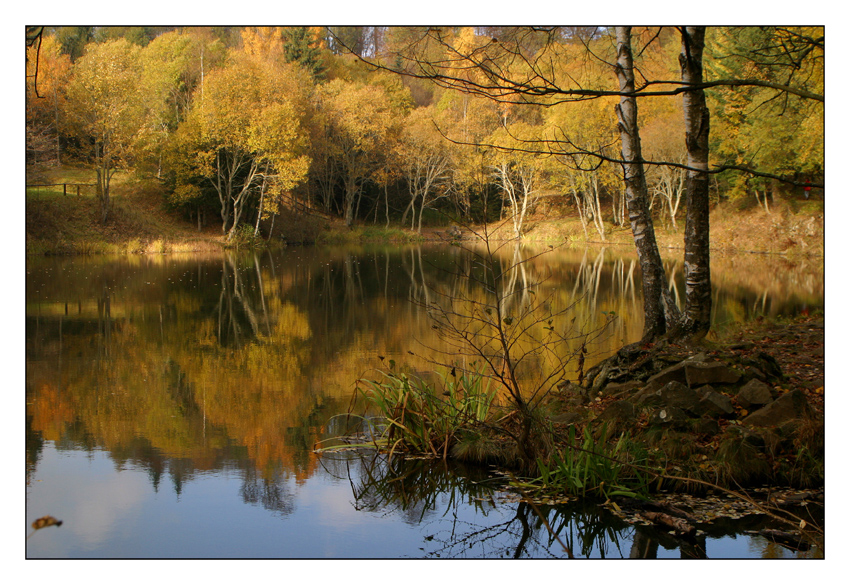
(792, 227)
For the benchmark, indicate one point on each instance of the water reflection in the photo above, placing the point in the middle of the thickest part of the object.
(193, 365)
(464, 514)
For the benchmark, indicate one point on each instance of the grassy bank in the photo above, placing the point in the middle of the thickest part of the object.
(59, 223)
(67, 223)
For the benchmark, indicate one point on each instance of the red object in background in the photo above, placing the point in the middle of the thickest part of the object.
(807, 187)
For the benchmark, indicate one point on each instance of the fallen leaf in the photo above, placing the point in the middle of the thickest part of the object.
(46, 521)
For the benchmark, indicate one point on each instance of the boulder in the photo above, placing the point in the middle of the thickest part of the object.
(670, 415)
(749, 436)
(675, 373)
(751, 372)
(707, 426)
(649, 396)
(680, 396)
(789, 406)
(620, 388)
(754, 393)
(699, 374)
(618, 412)
(714, 403)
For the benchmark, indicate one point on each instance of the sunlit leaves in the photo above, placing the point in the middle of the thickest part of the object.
(361, 129)
(764, 128)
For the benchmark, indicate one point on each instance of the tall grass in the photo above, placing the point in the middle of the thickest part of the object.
(423, 419)
(591, 466)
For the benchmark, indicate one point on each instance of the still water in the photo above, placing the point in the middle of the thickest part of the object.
(174, 403)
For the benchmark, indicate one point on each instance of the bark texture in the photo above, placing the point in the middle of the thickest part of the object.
(697, 315)
(660, 312)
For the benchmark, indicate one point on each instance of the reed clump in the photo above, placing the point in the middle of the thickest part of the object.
(422, 418)
(587, 465)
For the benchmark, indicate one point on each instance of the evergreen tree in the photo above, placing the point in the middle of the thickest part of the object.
(299, 47)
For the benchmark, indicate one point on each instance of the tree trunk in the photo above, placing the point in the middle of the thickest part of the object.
(387, 205)
(596, 206)
(660, 313)
(350, 192)
(697, 314)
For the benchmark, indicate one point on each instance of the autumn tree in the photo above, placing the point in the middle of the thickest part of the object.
(765, 127)
(582, 174)
(245, 135)
(518, 174)
(47, 74)
(171, 69)
(664, 140)
(361, 128)
(426, 160)
(105, 111)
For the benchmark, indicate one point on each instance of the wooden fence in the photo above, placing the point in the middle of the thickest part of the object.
(66, 187)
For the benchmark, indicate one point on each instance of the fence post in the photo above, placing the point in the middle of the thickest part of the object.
(64, 189)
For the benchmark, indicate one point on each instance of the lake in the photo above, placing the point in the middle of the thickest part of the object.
(175, 403)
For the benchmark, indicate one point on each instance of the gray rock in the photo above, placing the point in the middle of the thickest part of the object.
(680, 396)
(621, 411)
(789, 406)
(754, 393)
(670, 415)
(618, 389)
(747, 435)
(648, 396)
(675, 373)
(707, 426)
(698, 374)
(714, 403)
(753, 372)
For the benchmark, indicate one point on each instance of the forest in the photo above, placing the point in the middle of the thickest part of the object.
(239, 123)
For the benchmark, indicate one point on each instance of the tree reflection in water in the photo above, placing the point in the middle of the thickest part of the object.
(452, 504)
(271, 493)
(465, 512)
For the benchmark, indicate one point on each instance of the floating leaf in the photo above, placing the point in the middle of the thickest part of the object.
(46, 521)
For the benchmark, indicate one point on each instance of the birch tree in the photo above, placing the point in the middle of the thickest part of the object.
(426, 160)
(660, 312)
(517, 174)
(247, 130)
(697, 314)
